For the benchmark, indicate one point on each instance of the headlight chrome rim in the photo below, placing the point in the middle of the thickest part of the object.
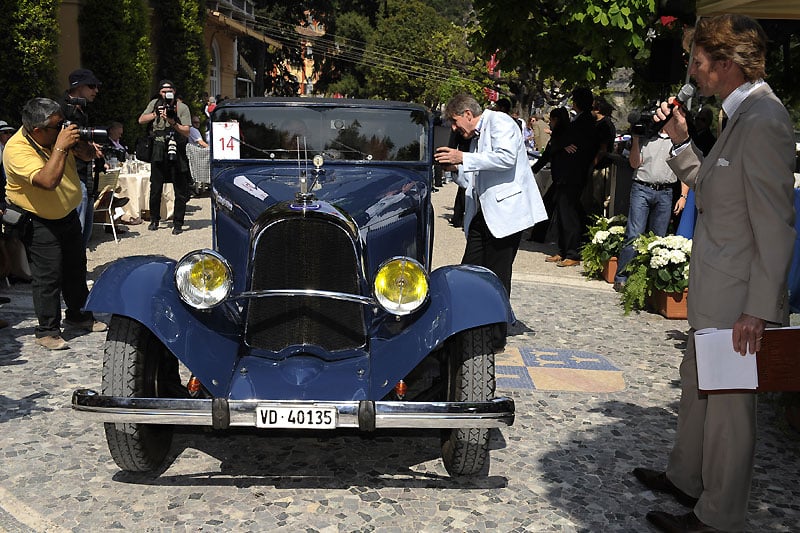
(401, 286)
(203, 278)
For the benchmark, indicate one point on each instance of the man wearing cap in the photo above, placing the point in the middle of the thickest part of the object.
(83, 89)
(171, 120)
(43, 184)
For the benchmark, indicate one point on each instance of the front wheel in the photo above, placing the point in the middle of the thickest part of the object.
(137, 365)
(470, 377)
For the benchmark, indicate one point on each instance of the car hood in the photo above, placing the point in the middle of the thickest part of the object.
(367, 194)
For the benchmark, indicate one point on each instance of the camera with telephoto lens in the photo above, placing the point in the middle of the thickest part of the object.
(92, 135)
(172, 147)
(642, 123)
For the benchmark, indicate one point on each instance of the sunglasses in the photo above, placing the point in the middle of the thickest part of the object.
(92, 86)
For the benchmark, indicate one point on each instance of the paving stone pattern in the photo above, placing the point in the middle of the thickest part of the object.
(564, 466)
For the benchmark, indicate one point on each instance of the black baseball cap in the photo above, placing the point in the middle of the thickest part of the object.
(83, 76)
(165, 84)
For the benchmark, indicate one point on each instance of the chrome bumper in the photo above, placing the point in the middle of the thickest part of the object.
(221, 413)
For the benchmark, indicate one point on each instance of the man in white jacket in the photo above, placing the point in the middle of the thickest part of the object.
(502, 198)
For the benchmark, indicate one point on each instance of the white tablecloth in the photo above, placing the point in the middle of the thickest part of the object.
(136, 187)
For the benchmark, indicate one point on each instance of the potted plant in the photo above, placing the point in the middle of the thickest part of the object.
(599, 255)
(659, 272)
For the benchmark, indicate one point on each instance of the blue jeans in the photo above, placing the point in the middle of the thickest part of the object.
(650, 210)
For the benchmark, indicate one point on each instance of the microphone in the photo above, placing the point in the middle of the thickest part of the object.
(686, 93)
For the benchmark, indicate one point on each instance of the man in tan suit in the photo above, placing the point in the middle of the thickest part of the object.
(738, 274)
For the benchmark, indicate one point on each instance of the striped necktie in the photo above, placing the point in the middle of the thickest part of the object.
(722, 122)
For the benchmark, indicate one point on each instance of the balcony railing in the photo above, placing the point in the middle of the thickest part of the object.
(243, 10)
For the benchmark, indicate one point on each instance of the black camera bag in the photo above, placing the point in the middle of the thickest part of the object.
(144, 148)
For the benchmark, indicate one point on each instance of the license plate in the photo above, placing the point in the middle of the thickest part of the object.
(296, 417)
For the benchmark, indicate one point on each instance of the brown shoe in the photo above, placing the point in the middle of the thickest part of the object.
(678, 523)
(568, 263)
(3, 323)
(52, 342)
(89, 326)
(553, 259)
(658, 481)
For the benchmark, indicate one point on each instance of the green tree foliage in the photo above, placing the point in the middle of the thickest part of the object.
(459, 12)
(29, 42)
(115, 45)
(783, 65)
(347, 74)
(279, 20)
(580, 42)
(399, 53)
(459, 70)
(181, 54)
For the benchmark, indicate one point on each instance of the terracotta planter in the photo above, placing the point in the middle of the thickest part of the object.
(669, 304)
(610, 270)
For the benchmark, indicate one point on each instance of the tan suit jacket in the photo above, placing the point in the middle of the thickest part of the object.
(744, 235)
(740, 261)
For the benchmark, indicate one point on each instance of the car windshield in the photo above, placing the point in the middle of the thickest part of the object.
(336, 133)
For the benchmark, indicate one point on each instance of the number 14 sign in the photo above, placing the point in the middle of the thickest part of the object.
(226, 140)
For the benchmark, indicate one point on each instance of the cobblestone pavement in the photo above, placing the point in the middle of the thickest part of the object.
(564, 466)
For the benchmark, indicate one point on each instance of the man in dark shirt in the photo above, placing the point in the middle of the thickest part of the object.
(581, 144)
(83, 89)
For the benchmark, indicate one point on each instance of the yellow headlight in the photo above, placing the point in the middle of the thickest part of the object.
(203, 278)
(401, 286)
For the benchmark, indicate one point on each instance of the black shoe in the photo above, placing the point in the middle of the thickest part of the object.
(677, 523)
(619, 285)
(4, 300)
(153, 225)
(659, 482)
(119, 202)
(177, 230)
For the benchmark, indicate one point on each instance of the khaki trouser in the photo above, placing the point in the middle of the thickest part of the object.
(712, 458)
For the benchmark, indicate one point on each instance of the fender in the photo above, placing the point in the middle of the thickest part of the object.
(462, 297)
(142, 288)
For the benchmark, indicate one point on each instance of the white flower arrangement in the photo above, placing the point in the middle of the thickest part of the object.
(661, 263)
(669, 262)
(606, 236)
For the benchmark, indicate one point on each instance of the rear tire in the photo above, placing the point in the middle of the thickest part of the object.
(470, 377)
(136, 364)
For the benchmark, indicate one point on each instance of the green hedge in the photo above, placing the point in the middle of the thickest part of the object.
(29, 42)
(115, 45)
(181, 55)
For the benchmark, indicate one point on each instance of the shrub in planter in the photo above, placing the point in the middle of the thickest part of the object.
(606, 236)
(661, 263)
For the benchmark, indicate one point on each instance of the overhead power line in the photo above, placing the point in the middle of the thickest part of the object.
(356, 52)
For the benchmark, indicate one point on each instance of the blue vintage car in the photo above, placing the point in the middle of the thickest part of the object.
(315, 307)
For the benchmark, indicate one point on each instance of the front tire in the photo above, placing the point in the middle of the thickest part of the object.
(136, 364)
(470, 377)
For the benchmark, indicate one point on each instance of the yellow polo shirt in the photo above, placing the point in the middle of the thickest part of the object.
(22, 162)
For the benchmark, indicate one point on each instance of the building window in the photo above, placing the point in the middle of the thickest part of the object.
(214, 77)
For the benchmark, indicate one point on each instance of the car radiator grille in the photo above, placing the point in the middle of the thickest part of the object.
(305, 253)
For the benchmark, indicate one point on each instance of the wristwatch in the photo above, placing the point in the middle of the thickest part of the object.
(675, 146)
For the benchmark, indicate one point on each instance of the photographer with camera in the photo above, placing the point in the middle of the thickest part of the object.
(44, 190)
(171, 120)
(651, 191)
(83, 89)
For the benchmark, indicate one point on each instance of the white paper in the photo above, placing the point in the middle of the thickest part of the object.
(226, 140)
(246, 185)
(719, 366)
